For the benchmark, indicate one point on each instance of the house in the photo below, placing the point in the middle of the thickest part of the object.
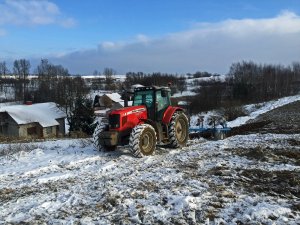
(112, 101)
(32, 121)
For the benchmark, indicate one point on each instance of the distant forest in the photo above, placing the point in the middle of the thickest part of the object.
(246, 82)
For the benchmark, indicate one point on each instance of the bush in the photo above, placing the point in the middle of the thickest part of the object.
(231, 113)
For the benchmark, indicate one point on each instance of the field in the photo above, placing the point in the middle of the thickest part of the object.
(252, 178)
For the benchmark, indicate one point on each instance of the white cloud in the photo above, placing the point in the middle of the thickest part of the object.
(32, 12)
(108, 45)
(142, 38)
(207, 46)
(286, 22)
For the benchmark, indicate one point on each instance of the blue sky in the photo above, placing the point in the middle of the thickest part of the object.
(177, 36)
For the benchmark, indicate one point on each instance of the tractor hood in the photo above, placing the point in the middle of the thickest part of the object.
(129, 110)
(127, 118)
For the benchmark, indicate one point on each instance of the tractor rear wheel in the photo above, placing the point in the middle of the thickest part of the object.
(178, 130)
(142, 140)
(96, 136)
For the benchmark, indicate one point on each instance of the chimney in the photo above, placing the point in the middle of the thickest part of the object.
(28, 102)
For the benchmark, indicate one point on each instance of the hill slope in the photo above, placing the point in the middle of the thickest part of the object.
(284, 119)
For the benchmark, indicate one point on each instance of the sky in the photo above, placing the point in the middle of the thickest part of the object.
(170, 36)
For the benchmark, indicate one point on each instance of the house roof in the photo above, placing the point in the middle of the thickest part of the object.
(115, 97)
(43, 113)
(136, 86)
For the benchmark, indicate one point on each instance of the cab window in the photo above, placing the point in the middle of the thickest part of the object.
(143, 98)
(162, 102)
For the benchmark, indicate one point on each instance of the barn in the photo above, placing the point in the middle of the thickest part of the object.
(42, 120)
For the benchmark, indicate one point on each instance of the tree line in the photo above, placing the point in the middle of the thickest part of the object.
(177, 83)
(52, 83)
(245, 83)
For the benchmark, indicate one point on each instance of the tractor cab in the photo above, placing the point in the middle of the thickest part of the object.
(156, 100)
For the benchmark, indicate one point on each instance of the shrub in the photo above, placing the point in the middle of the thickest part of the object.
(231, 113)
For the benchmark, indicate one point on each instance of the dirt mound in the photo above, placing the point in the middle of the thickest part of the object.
(282, 120)
(266, 154)
(248, 128)
(285, 183)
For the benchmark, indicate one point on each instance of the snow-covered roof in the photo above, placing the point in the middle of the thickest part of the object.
(43, 113)
(10, 103)
(93, 93)
(182, 103)
(137, 86)
(115, 97)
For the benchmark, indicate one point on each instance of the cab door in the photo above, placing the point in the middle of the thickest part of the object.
(146, 98)
(162, 101)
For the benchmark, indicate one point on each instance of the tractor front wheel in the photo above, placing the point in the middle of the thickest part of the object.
(96, 136)
(178, 130)
(142, 141)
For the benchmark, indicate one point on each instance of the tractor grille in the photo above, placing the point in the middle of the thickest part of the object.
(114, 121)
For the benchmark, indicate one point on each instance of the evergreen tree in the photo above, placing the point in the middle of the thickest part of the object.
(82, 117)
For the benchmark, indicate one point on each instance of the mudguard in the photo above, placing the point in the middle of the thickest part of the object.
(169, 113)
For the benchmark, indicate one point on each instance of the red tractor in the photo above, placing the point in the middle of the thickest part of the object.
(150, 121)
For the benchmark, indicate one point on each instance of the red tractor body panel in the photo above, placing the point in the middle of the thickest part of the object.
(169, 113)
(129, 117)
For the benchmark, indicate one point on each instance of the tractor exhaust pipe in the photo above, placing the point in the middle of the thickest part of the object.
(126, 99)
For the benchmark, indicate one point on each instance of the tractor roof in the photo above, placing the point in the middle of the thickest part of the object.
(151, 88)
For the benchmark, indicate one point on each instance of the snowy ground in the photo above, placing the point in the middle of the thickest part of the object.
(249, 179)
(244, 179)
(184, 93)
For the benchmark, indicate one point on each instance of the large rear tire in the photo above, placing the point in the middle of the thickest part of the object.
(142, 140)
(96, 138)
(178, 130)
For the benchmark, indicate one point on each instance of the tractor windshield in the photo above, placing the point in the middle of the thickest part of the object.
(143, 98)
(163, 100)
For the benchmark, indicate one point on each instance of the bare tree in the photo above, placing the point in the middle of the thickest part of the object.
(49, 76)
(3, 68)
(109, 79)
(21, 70)
(181, 84)
(67, 92)
(95, 73)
